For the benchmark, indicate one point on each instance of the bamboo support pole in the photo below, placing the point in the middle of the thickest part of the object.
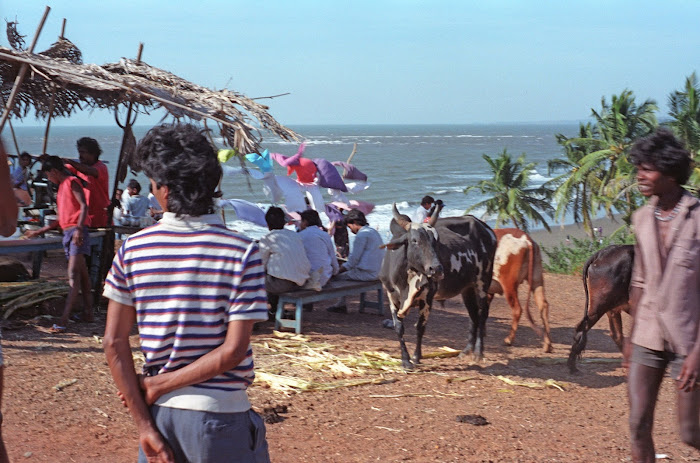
(22, 72)
(53, 100)
(354, 150)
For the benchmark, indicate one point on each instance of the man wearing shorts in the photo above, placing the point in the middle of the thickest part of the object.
(74, 221)
(664, 292)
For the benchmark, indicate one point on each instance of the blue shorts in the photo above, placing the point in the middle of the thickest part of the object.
(70, 247)
(205, 437)
(658, 359)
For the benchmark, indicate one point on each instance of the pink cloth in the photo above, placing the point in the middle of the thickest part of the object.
(362, 206)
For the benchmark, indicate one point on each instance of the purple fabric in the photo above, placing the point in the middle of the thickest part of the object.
(328, 176)
(350, 172)
(334, 213)
(286, 161)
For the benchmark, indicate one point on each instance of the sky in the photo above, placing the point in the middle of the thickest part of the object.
(391, 62)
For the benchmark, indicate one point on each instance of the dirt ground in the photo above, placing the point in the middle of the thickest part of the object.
(60, 403)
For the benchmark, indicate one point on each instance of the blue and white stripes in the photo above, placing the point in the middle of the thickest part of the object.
(187, 279)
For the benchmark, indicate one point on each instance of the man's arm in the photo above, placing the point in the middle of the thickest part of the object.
(358, 249)
(83, 168)
(8, 203)
(80, 197)
(222, 359)
(120, 320)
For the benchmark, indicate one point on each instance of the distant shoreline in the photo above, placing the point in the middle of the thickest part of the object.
(559, 233)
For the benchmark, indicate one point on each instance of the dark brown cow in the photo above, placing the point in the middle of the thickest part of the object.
(606, 281)
(518, 259)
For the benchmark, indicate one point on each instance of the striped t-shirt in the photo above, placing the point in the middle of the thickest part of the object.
(188, 277)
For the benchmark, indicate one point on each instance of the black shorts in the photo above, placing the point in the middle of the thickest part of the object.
(658, 359)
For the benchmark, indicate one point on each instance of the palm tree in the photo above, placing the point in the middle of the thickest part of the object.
(684, 108)
(511, 198)
(617, 126)
(572, 192)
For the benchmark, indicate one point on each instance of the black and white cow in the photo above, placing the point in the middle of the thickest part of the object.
(438, 260)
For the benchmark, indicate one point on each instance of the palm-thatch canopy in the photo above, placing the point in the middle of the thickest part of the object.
(58, 84)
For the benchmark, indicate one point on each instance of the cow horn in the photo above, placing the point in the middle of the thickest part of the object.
(436, 212)
(400, 219)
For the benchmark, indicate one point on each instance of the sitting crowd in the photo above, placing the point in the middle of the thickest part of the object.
(308, 258)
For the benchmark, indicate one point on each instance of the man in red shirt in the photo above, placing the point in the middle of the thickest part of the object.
(94, 173)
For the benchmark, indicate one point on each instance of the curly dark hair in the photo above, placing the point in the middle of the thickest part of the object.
(665, 152)
(180, 157)
(90, 145)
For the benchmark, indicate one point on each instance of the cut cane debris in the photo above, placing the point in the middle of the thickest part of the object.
(550, 383)
(64, 384)
(460, 379)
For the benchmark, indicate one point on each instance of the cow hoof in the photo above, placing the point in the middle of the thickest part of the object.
(408, 366)
(508, 341)
(548, 348)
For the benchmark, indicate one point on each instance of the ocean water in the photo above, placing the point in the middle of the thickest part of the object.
(403, 162)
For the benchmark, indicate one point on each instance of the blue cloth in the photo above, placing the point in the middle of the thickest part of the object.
(70, 248)
(137, 206)
(366, 255)
(19, 177)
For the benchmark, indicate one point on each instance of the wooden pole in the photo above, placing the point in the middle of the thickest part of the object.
(22, 72)
(127, 124)
(12, 130)
(53, 100)
(48, 121)
(354, 150)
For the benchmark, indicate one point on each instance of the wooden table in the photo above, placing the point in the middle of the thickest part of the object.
(37, 246)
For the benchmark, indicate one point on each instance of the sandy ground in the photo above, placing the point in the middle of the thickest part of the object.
(60, 403)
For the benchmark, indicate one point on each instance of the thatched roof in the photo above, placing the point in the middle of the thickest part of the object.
(59, 84)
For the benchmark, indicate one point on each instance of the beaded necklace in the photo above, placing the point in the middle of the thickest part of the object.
(669, 217)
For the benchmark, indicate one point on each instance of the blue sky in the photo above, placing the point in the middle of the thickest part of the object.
(393, 62)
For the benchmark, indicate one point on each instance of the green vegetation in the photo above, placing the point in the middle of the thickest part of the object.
(593, 175)
(512, 198)
(569, 259)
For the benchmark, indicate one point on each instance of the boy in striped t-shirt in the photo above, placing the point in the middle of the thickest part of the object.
(195, 289)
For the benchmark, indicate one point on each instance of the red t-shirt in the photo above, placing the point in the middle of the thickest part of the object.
(96, 193)
(68, 207)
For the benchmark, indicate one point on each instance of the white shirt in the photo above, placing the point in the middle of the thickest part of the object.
(320, 251)
(284, 257)
(420, 215)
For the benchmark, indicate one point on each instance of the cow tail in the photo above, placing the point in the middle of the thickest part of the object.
(580, 335)
(530, 272)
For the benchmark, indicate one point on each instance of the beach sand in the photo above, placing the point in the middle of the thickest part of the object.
(558, 235)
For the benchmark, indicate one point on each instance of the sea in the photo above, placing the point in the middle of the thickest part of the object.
(403, 162)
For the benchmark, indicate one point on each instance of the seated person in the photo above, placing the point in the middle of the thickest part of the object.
(365, 259)
(136, 205)
(318, 246)
(117, 209)
(155, 210)
(421, 212)
(20, 175)
(283, 256)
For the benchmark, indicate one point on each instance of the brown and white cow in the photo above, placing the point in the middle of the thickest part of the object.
(519, 259)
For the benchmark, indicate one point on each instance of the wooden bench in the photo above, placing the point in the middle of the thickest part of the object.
(332, 290)
(37, 246)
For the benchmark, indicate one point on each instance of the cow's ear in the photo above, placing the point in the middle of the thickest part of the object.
(396, 243)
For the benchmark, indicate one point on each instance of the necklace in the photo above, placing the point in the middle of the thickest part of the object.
(669, 217)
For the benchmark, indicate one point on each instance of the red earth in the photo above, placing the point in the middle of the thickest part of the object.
(60, 402)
